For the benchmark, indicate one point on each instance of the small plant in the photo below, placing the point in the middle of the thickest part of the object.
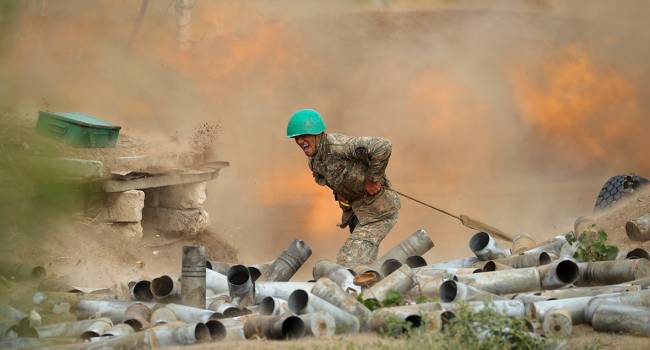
(592, 247)
(485, 329)
(395, 326)
(594, 345)
(393, 298)
(423, 299)
(371, 304)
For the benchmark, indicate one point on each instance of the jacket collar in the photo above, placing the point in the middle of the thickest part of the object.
(321, 148)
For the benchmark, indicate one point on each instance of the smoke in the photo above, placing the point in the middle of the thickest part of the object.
(514, 114)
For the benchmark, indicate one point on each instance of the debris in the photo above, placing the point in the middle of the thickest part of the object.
(533, 287)
(639, 228)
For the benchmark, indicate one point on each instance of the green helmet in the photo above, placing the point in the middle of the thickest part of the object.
(305, 122)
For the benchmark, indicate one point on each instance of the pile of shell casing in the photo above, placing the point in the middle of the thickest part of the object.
(214, 301)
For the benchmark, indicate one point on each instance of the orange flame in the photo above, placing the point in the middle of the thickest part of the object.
(576, 103)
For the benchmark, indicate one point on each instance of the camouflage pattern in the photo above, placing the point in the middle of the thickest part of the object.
(343, 163)
(363, 243)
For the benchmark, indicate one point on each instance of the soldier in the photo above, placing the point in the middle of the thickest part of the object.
(354, 168)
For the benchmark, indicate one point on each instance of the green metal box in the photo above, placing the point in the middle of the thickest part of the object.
(78, 129)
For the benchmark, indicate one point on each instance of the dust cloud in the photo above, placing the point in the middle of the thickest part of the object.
(514, 114)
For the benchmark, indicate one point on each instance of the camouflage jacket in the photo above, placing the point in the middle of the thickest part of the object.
(343, 163)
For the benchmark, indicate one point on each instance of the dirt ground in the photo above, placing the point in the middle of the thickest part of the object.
(582, 338)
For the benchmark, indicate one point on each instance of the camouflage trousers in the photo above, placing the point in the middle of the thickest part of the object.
(363, 243)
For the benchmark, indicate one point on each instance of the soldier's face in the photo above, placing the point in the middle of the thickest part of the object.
(307, 143)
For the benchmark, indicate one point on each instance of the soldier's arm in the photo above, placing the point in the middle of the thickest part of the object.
(320, 179)
(374, 150)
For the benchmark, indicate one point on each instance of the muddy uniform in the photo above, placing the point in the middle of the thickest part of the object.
(343, 163)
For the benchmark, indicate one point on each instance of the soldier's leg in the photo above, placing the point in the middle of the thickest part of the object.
(363, 243)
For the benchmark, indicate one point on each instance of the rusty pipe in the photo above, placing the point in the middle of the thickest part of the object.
(234, 328)
(575, 307)
(140, 290)
(289, 261)
(162, 315)
(216, 329)
(119, 330)
(486, 248)
(343, 277)
(402, 280)
(412, 316)
(319, 324)
(492, 265)
(279, 289)
(415, 261)
(458, 263)
(193, 276)
(429, 286)
(165, 288)
(636, 253)
(216, 282)
(85, 329)
(639, 228)
(617, 318)
(257, 270)
(272, 306)
(137, 316)
(557, 323)
(581, 292)
(329, 291)
(417, 243)
(612, 272)
(190, 314)
(302, 302)
(240, 285)
(639, 298)
(452, 291)
(178, 333)
(225, 309)
(558, 274)
(525, 260)
(113, 309)
(504, 281)
(274, 327)
(389, 266)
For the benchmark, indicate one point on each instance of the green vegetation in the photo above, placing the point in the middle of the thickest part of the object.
(592, 247)
(485, 330)
(33, 195)
(595, 345)
(393, 298)
(423, 299)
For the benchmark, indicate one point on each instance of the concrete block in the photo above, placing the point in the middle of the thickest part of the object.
(188, 222)
(185, 196)
(128, 230)
(123, 207)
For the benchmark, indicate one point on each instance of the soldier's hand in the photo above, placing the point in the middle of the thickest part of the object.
(372, 187)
